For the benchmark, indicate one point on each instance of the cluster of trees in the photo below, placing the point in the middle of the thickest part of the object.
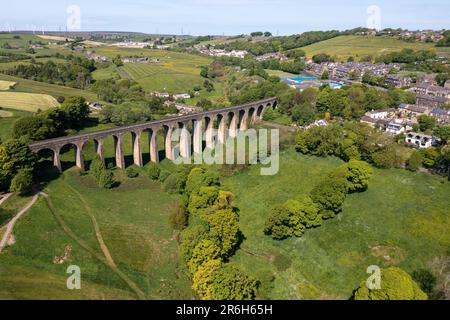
(406, 56)
(350, 102)
(210, 233)
(76, 72)
(118, 91)
(359, 141)
(445, 42)
(53, 122)
(12, 57)
(16, 166)
(325, 201)
(260, 34)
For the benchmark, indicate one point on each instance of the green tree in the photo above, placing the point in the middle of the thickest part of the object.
(106, 179)
(22, 182)
(430, 157)
(230, 283)
(131, 172)
(415, 161)
(426, 123)
(202, 279)
(190, 237)
(178, 217)
(359, 174)
(224, 228)
(330, 194)
(117, 60)
(76, 111)
(204, 251)
(304, 114)
(396, 284)
(200, 177)
(153, 171)
(426, 280)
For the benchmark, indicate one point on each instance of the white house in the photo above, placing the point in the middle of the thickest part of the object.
(395, 127)
(420, 140)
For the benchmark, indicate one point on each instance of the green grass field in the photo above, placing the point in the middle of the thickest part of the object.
(402, 220)
(358, 46)
(30, 86)
(6, 123)
(31, 102)
(177, 72)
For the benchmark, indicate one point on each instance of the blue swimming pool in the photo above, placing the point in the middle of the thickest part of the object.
(302, 78)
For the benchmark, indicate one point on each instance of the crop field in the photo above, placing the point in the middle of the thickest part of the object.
(30, 86)
(6, 85)
(176, 73)
(401, 220)
(30, 102)
(358, 46)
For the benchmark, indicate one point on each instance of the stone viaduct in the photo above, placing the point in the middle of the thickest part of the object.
(230, 120)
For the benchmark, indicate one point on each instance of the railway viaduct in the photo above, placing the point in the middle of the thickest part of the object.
(229, 121)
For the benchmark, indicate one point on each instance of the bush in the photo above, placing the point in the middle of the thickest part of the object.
(178, 217)
(153, 171)
(425, 279)
(22, 182)
(163, 175)
(330, 195)
(171, 184)
(415, 161)
(230, 283)
(97, 167)
(396, 284)
(132, 173)
(106, 179)
(358, 175)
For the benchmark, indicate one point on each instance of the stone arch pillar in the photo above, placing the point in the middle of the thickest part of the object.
(197, 135)
(153, 145)
(234, 124)
(57, 159)
(222, 128)
(243, 125)
(79, 160)
(99, 150)
(168, 141)
(185, 141)
(120, 160)
(209, 121)
(136, 145)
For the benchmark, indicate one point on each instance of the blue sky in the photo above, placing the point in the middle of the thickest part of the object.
(202, 17)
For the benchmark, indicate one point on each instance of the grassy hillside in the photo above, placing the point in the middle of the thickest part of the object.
(30, 86)
(177, 72)
(30, 102)
(132, 221)
(401, 220)
(357, 46)
(7, 119)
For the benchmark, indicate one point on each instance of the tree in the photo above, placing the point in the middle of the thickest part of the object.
(199, 177)
(96, 167)
(178, 217)
(170, 184)
(76, 110)
(118, 61)
(153, 171)
(396, 284)
(359, 174)
(426, 280)
(304, 114)
(269, 114)
(430, 156)
(329, 195)
(202, 279)
(106, 179)
(204, 251)
(415, 161)
(190, 237)
(426, 123)
(443, 133)
(22, 182)
(34, 128)
(224, 228)
(230, 283)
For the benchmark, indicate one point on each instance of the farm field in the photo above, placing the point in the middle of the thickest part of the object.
(358, 46)
(176, 73)
(30, 102)
(401, 220)
(6, 85)
(30, 86)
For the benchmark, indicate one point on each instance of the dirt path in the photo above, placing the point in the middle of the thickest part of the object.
(10, 225)
(5, 197)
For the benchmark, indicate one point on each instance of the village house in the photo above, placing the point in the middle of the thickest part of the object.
(139, 60)
(430, 101)
(441, 115)
(181, 96)
(397, 81)
(412, 111)
(420, 140)
(396, 127)
(272, 56)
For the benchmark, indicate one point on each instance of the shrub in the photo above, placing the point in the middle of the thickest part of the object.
(358, 175)
(204, 251)
(178, 217)
(415, 161)
(97, 167)
(231, 283)
(224, 229)
(153, 171)
(425, 279)
(106, 179)
(132, 173)
(329, 195)
(163, 175)
(170, 184)
(22, 182)
(396, 284)
(190, 237)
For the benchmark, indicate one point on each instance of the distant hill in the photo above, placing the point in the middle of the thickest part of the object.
(357, 46)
